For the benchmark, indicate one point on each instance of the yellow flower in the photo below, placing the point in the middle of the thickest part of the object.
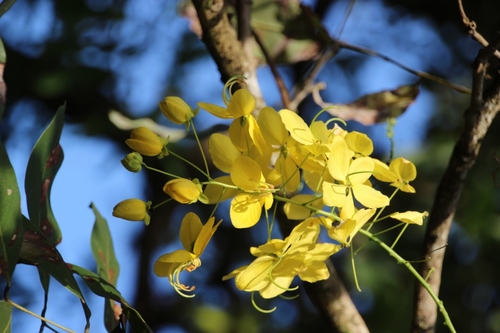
(133, 210)
(246, 207)
(410, 217)
(184, 191)
(297, 211)
(241, 104)
(133, 162)
(147, 143)
(350, 226)
(279, 261)
(399, 173)
(194, 237)
(351, 176)
(176, 110)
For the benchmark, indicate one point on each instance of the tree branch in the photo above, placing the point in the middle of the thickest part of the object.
(222, 42)
(482, 110)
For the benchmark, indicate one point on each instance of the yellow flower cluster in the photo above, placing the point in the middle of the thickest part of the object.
(265, 160)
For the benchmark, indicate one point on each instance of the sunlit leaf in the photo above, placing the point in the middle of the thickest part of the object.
(39, 251)
(44, 162)
(107, 264)
(11, 223)
(101, 287)
(374, 108)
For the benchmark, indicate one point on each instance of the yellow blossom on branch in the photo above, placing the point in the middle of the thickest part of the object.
(147, 143)
(279, 261)
(194, 237)
(184, 191)
(133, 210)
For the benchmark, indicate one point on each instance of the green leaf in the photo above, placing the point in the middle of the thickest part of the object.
(3, 88)
(107, 265)
(5, 317)
(103, 288)
(11, 223)
(5, 6)
(44, 162)
(39, 251)
(286, 31)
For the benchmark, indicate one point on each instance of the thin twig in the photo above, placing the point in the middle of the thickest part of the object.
(243, 8)
(473, 28)
(420, 74)
(285, 96)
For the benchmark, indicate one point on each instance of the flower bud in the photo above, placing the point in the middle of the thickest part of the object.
(176, 110)
(133, 210)
(146, 142)
(132, 162)
(183, 190)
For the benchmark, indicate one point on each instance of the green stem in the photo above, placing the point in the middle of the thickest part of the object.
(161, 203)
(201, 149)
(160, 171)
(399, 236)
(39, 317)
(423, 282)
(190, 163)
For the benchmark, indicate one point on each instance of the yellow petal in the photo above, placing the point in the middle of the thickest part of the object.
(298, 212)
(359, 143)
(369, 197)
(271, 126)
(280, 285)
(404, 169)
(383, 173)
(316, 271)
(245, 210)
(216, 110)
(205, 235)
(360, 170)
(190, 229)
(246, 174)
(297, 127)
(340, 159)
(334, 195)
(166, 264)
(256, 275)
(222, 151)
(241, 103)
(410, 217)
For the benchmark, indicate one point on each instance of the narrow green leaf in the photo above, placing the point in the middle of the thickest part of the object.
(5, 317)
(101, 287)
(44, 162)
(39, 251)
(107, 265)
(5, 6)
(11, 223)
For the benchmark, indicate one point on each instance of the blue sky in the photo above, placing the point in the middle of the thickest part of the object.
(92, 172)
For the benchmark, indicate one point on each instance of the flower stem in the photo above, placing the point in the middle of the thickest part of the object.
(201, 149)
(190, 163)
(423, 282)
